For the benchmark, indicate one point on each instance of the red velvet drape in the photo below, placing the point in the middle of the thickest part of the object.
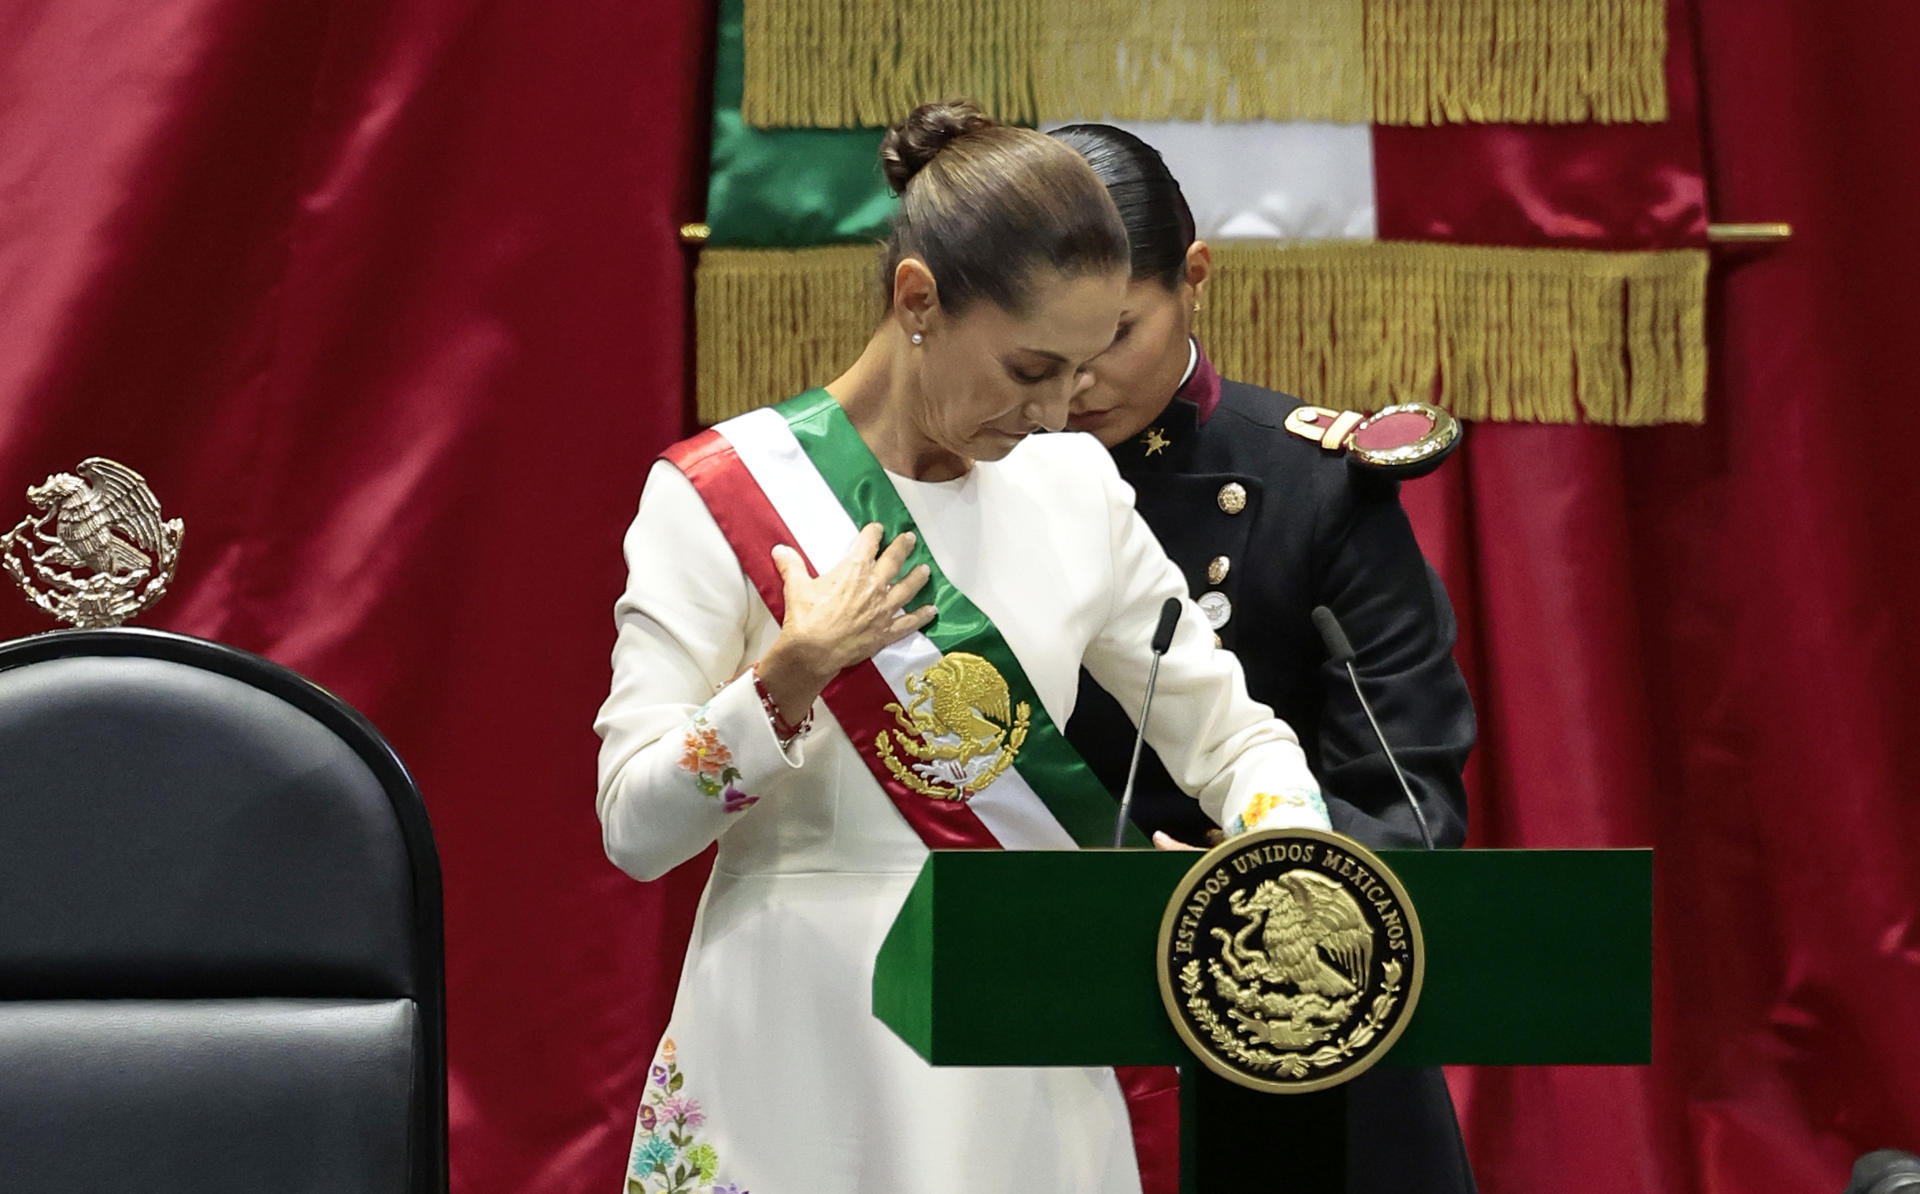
(384, 299)
(1693, 638)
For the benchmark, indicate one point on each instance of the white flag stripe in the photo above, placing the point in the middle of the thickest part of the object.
(1268, 180)
(1008, 807)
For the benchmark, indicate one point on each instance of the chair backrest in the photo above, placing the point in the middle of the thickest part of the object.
(221, 962)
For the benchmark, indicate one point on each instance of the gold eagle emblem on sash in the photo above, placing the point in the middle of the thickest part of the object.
(958, 731)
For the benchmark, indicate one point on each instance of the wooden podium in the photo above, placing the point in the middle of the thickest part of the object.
(1039, 958)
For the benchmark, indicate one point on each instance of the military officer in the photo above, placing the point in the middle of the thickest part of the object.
(1268, 522)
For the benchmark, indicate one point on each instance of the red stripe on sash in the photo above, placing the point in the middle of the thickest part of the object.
(1153, 1109)
(858, 696)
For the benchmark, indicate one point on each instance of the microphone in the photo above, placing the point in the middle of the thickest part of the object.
(1162, 639)
(1340, 651)
(1886, 1171)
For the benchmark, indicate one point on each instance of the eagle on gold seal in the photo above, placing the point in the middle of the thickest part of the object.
(958, 731)
(1290, 959)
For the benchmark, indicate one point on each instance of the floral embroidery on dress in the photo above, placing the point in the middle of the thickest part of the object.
(668, 1157)
(1265, 802)
(706, 758)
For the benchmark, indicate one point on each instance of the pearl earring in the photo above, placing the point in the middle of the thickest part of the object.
(917, 337)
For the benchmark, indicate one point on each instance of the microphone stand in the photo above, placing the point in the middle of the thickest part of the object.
(1162, 639)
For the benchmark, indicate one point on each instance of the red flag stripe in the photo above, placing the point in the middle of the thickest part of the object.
(859, 695)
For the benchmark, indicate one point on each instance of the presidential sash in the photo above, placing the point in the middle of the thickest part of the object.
(946, 718)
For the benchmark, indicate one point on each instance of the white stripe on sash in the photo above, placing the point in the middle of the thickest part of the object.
(1008, 807)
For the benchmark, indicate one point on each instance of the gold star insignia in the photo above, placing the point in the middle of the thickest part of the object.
(1155, 441)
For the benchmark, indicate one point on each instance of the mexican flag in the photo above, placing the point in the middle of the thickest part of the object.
(1495, 206)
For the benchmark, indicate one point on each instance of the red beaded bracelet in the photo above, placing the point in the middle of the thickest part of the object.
(784, 730)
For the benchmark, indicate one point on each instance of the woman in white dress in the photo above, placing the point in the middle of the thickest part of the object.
(853, 625)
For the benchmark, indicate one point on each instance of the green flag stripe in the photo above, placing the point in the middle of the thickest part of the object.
(1049, 764)
(786, 188)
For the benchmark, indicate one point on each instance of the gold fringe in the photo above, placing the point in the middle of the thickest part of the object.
(865, 63)
(1505, 335)
(1508, 335)
(1202, 59)
(769, 323)
(1520, 61)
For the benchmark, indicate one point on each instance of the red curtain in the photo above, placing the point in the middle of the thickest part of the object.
(385, 300)
(1692, 638)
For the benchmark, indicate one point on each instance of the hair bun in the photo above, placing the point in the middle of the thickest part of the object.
(928, 129)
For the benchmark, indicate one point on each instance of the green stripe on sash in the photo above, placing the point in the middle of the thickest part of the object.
(1049, 764)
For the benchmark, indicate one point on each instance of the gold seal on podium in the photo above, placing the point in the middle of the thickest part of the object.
(1290, 959)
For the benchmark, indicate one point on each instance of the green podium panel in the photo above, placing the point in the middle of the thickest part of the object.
(1042, 958)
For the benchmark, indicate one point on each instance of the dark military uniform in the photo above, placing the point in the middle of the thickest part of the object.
(1266, 525)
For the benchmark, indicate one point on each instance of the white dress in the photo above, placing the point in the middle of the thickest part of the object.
(774, 1077)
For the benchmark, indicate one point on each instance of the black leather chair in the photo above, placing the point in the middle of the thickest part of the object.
(221, 962)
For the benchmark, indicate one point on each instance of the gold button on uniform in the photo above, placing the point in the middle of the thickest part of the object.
(1217, 571)
(1233, 497)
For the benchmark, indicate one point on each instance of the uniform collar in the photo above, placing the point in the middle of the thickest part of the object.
(1167, 443)
(1201, 386)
